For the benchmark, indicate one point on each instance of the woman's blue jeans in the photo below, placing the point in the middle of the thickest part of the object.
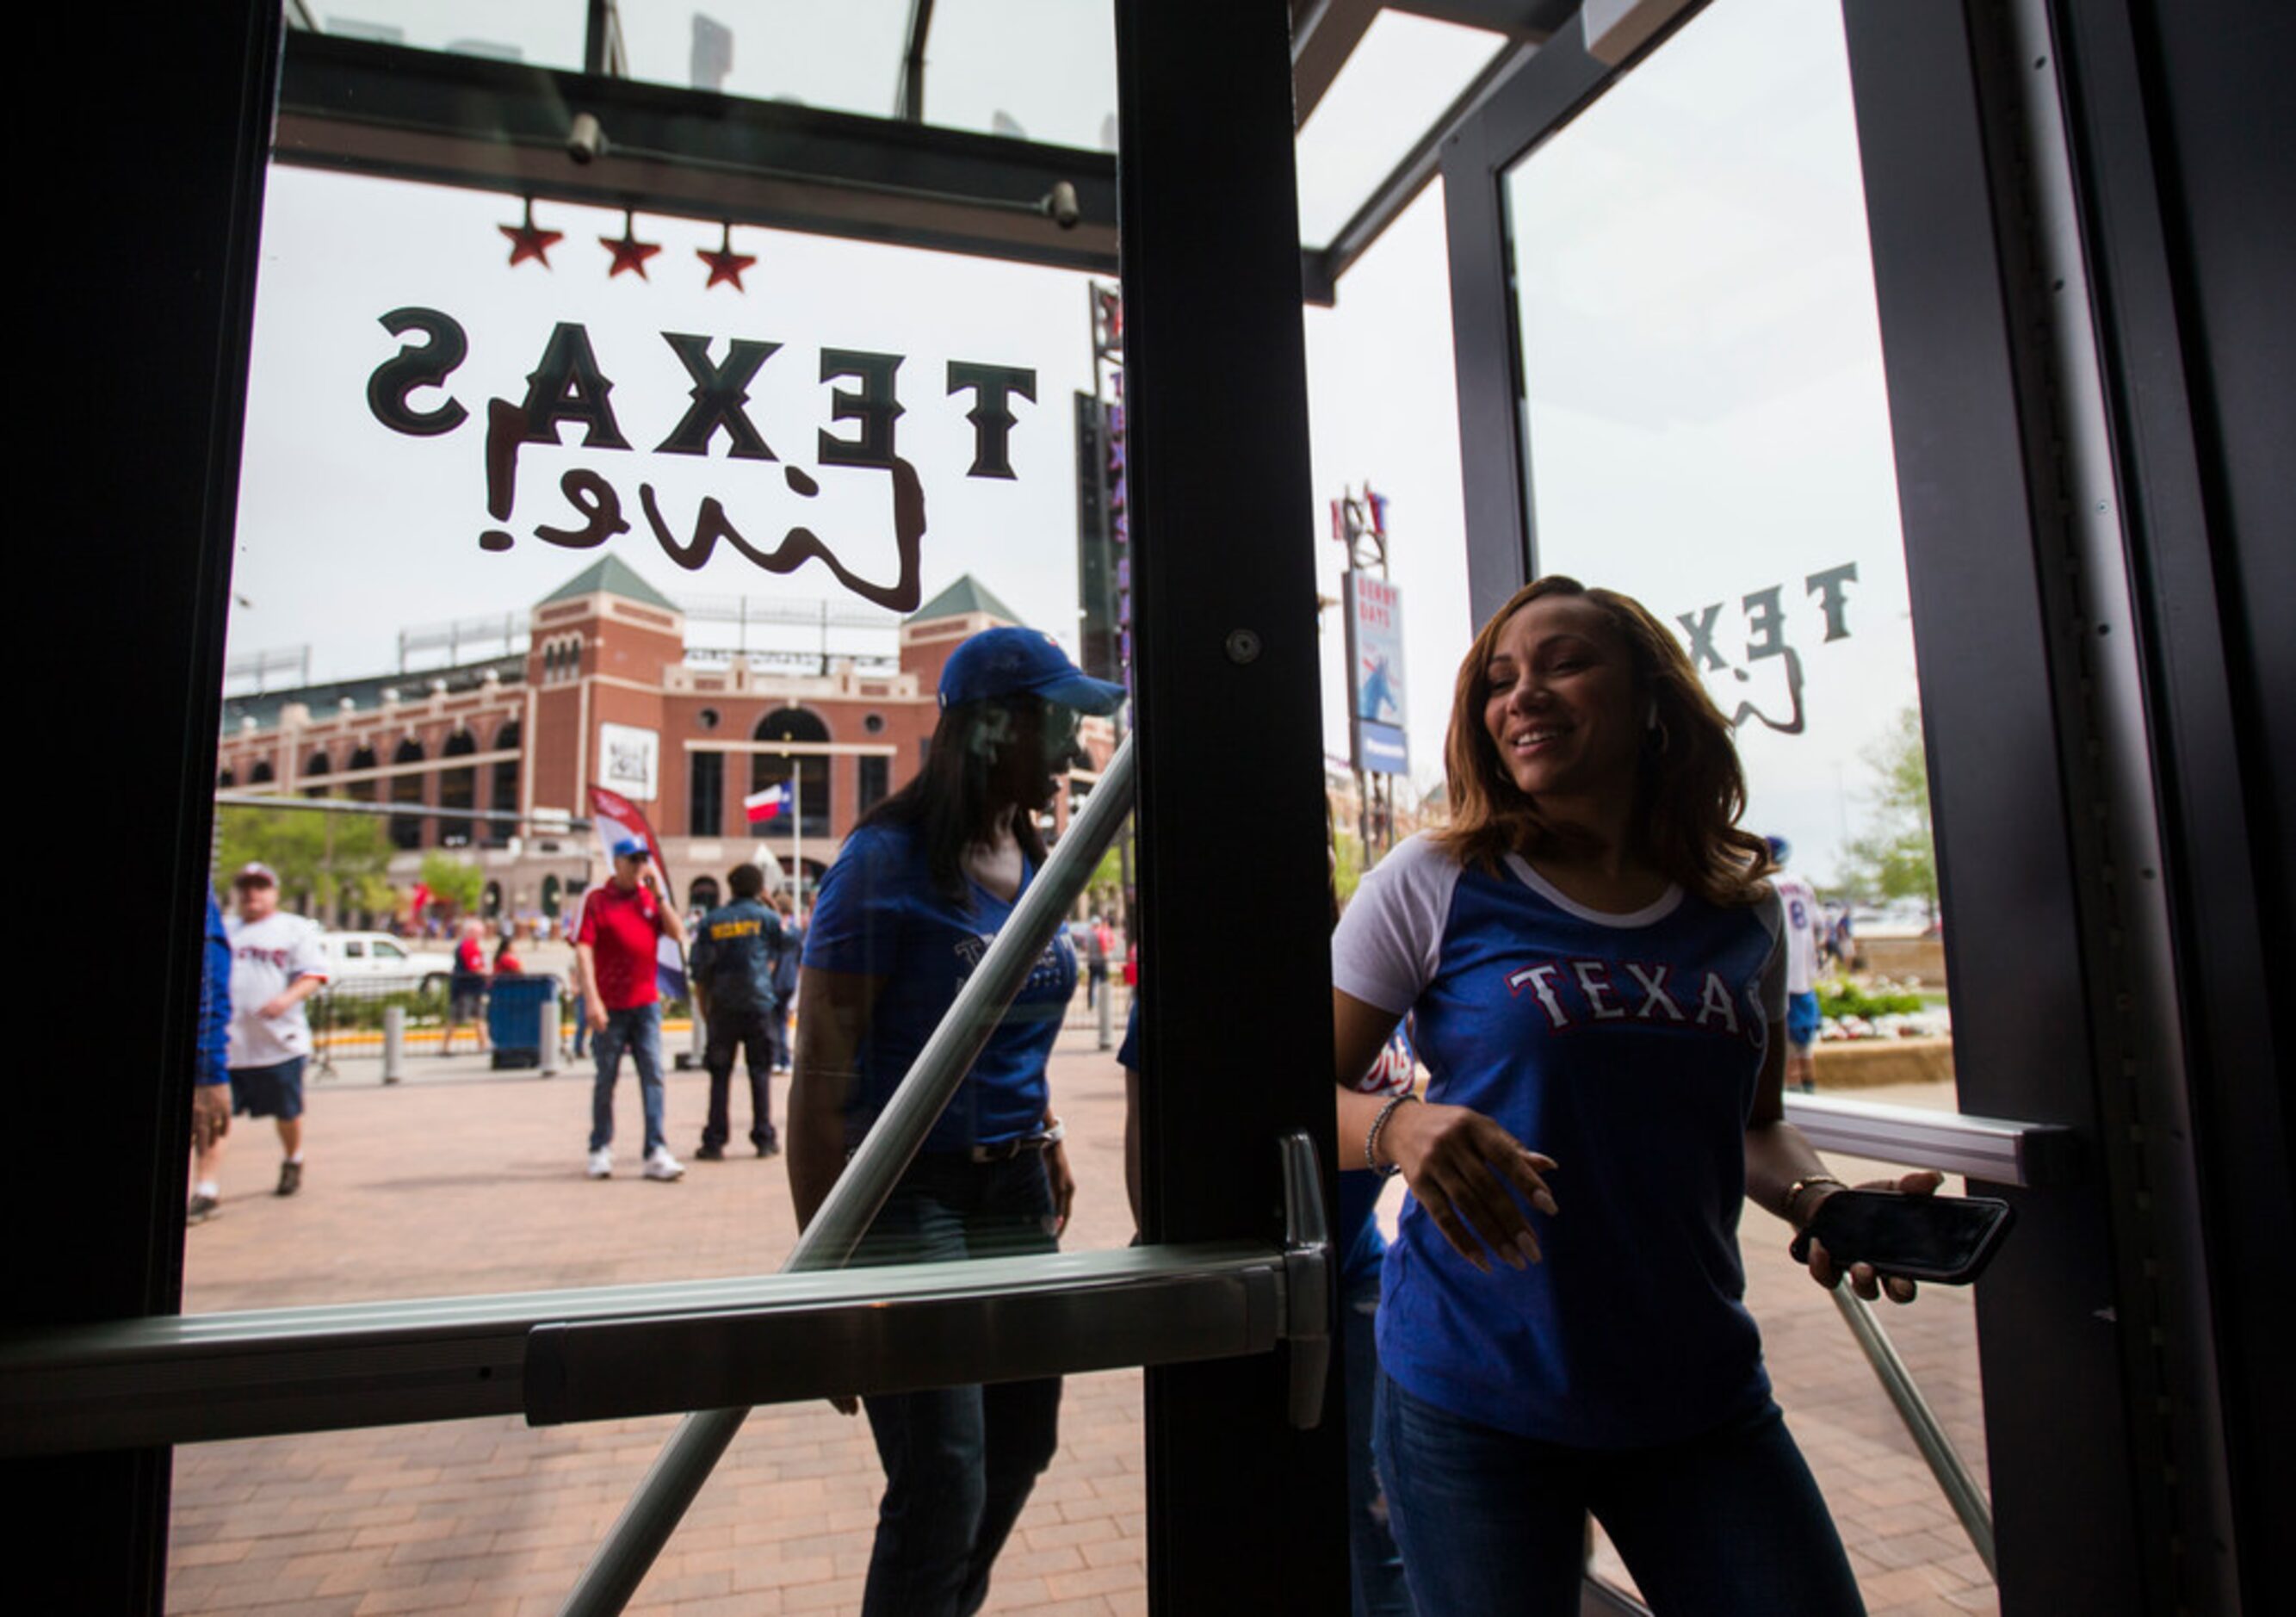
(1729, 1522)
(959, 1462)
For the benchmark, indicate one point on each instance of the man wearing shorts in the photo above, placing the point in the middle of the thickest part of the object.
(275, 965)
(1799, 900)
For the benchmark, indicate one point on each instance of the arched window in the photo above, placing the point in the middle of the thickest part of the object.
(362, 792)
(260, 773)
(810, 771)
(457, 789)
(227, 781)
(550, 898)
(491, 901)
(313, 766)
(406, 829)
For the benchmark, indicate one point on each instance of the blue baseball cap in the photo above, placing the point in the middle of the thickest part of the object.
(1022, 662)
(632, 848)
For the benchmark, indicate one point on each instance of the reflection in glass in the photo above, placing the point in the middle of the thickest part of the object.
(542, 33)
(843, 57)
(1042, 70)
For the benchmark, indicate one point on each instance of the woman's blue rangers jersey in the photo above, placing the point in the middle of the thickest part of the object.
(1625, 1047)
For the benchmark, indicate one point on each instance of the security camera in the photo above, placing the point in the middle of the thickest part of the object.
(1059, 205)
(585, 142)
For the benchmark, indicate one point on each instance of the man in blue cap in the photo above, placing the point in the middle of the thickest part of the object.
(615, 953)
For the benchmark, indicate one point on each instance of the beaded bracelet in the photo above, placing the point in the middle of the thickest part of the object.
(1808, 1181)
(1371, 1140)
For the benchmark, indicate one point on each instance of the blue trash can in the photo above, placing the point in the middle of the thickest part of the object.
(514, 1018)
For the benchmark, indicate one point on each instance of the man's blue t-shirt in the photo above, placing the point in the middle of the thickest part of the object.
(880, 915)
(1628, 1048)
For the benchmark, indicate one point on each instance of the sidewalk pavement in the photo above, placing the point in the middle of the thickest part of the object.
(463, 1180)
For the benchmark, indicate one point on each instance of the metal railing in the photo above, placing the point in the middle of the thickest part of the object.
(1998, 1150)
(700, 1439)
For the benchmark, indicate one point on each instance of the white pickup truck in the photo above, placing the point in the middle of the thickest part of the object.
(380, 962)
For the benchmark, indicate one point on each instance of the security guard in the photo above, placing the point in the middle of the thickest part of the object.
(732, 966)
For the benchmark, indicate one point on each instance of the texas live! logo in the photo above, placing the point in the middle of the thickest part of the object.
(569, 386)
(1768, 683)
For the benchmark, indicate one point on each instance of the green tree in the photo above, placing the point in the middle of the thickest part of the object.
(321, 857)
(1348, 866)
(1897, 857)
(453, 884)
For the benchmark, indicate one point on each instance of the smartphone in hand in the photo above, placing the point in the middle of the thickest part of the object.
(1943, 1239)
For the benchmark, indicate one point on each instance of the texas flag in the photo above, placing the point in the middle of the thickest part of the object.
(617, 819)
(768, 804)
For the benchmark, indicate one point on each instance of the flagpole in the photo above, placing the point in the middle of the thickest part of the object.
(797, 839)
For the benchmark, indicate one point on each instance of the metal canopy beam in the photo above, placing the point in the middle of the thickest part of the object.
(1530, 19)
(456, 120)
(1324, 34)
(1404, 183)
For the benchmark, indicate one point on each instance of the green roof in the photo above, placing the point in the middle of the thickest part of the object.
(611, 577)
(965, 596)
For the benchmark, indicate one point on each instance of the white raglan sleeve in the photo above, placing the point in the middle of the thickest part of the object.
(1390, 938)
(1771, 988)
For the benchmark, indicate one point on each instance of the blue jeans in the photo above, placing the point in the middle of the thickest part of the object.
(1376, 1566)
(639, 1031)
(959, 1462)
(1727, 1522)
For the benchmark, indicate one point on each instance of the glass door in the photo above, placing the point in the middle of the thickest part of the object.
(626, 455)
(1681, 275)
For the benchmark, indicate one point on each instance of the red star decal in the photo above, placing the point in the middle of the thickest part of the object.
(629, 252)
(726, 265)
(528, 241)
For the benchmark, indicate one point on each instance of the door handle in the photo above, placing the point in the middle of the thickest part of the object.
(1310, 1297)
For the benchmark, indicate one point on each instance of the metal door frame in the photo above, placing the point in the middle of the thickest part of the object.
(1242, 1507)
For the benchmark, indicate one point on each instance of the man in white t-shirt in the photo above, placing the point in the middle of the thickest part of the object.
(1799, 900)
(275, 965)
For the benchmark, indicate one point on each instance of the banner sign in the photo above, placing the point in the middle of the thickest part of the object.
(1376, 697)
(629, 760)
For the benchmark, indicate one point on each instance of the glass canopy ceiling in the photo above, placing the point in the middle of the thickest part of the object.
(1377, 84)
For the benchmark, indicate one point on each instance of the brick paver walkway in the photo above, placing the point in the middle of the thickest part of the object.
(461, 1181)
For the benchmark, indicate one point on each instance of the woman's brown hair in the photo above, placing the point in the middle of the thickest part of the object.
(1689, 788)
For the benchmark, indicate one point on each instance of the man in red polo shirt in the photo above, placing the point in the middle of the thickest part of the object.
(614, 949)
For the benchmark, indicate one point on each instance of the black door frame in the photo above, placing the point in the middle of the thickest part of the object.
(150, 347)
(2111, 1433)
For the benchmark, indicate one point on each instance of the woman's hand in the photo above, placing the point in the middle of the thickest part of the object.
(1062, 1184)
(1864, 1279)
(1459, 1164)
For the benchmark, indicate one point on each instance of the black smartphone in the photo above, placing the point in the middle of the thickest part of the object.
(1946, 1239)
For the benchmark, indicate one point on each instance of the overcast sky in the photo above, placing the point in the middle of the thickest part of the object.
(1706, 408)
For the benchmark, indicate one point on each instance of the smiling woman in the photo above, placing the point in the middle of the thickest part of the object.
(1595, 869)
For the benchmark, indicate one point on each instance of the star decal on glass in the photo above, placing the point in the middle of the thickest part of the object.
(529, 242)
(629, 252)
(726, 265)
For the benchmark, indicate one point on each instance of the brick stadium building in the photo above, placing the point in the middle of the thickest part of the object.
(606, 693)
